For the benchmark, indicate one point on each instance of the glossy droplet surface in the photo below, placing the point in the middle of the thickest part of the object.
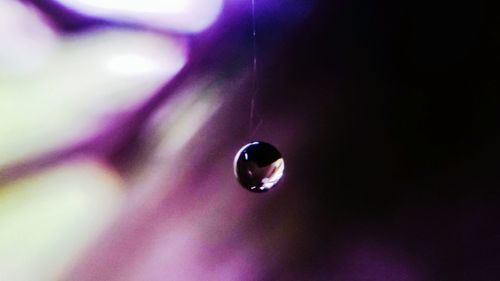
(258, 166)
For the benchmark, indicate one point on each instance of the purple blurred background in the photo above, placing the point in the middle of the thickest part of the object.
(385, 113)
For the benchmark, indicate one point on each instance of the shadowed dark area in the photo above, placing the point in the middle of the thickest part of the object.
(400, 138)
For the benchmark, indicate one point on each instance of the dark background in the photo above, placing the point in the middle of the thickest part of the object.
(401, 141)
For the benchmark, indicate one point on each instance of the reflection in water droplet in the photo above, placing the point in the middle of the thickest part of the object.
(258, 166)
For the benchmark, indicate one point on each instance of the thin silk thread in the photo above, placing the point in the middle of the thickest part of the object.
(254, 68)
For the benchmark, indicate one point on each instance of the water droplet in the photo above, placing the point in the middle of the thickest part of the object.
(258, 166)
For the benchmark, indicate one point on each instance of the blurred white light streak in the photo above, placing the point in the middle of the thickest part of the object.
(180, 120)
(179, 15)
(47, 221)
(88, 77)
(135, 6)
(138, 64)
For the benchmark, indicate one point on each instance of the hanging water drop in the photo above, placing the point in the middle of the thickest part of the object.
(258, 166)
